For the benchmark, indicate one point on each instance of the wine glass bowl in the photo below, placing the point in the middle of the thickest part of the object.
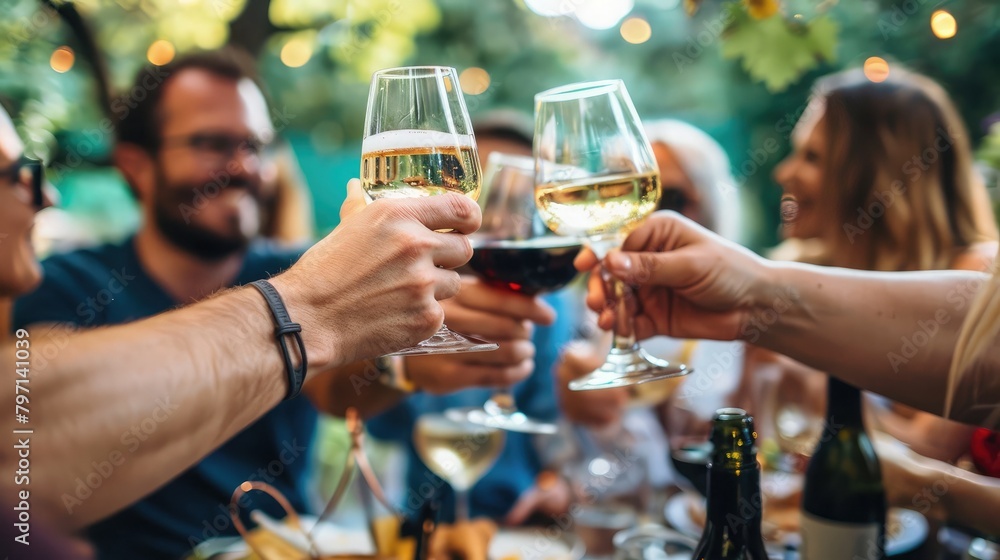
(596, 177)
(514, 251)
(459, 452)
(419, 142)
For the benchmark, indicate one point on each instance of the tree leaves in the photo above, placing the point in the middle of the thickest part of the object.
(777, 51)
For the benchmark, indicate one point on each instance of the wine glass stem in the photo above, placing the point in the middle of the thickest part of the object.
(461, 506)
(620, 295)
(623, 339)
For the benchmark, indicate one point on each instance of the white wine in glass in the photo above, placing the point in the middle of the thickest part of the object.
(409, 163)
(596, 178)
(458, 452)
(419, 142)
(598, 206)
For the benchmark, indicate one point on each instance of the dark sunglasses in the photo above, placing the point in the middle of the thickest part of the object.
(673, 198)
(28, 172)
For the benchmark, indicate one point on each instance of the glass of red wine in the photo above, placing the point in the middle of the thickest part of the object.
(514, 250)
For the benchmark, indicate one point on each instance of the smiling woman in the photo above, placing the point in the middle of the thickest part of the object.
(883, 175)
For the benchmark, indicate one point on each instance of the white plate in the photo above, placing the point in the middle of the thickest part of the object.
(534, 544)
(913, 526)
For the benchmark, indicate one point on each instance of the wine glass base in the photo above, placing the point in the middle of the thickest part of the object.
(511, 422)
(629, 367)
(447, 341)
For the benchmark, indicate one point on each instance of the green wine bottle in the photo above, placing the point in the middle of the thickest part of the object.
(732, 523)
(843, 501)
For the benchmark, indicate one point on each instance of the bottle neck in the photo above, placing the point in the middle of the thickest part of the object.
(843, 405)
(734, 503)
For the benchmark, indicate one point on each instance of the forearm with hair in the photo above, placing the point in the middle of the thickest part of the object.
(127, 408)
(893, 334)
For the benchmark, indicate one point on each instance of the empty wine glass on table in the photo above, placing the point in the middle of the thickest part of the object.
(419, 142)
(459, 452)
(596, 178)
(513, 250)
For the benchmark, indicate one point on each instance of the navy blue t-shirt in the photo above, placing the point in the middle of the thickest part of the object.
(108, 286)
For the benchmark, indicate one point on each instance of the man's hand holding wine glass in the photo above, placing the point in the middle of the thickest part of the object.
(499, 315)
(411, 263)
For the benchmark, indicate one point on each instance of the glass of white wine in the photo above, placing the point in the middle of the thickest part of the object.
(596, 178)
(459, 452)
(419, 142)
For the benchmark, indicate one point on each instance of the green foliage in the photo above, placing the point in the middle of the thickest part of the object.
(777, 51)
(989, 151)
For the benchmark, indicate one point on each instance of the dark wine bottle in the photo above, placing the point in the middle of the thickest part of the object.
(843, 501)
(732, 523)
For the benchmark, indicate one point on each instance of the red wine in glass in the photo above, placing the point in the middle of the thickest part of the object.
(529, 266)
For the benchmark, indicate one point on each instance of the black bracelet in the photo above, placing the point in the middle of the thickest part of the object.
(296, 375)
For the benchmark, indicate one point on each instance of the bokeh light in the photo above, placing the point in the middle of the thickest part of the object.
(603, 14)
(474, 81)
(876, 69)
(296, 52)
(636, 30)
(549, 8)
(160, 52)
(943, 24)
(62, 59)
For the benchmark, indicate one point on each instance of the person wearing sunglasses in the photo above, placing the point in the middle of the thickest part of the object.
(184, 382)
(22, 184)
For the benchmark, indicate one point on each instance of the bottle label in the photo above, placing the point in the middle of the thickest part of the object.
(823, 539)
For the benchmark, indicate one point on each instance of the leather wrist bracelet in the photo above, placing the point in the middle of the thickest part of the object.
(284, 328)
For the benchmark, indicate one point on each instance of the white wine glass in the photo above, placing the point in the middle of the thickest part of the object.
(459, 452)
(514, 251)
(419, 142)
(596, 178)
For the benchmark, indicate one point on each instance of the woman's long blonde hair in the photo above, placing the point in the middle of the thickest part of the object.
(899, 176)
(979, 331)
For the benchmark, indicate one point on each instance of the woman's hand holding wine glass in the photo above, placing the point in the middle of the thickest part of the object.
(596, 177)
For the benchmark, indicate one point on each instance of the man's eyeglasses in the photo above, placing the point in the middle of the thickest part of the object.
(29, 174)
(219, 147)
